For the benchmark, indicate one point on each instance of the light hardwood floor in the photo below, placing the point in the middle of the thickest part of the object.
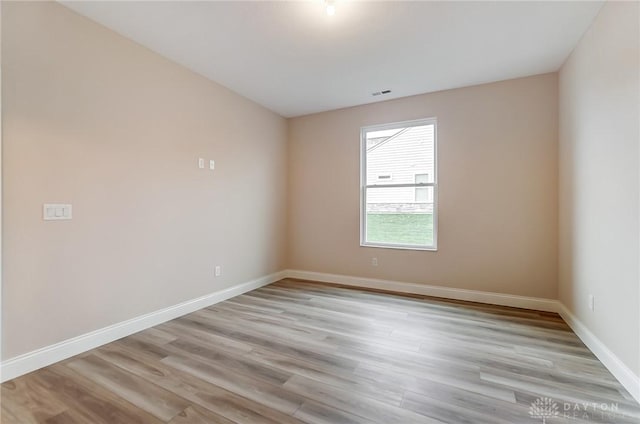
(297, 352)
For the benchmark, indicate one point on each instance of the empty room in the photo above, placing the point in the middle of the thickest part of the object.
(320, 211)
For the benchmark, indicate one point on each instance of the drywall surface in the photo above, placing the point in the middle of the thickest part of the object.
(97, 121)
(497, 211)
(599, 181)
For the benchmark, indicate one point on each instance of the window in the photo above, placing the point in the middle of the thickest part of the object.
(399, 185)
(421, 193)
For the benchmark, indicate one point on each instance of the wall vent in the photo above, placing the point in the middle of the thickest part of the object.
(379, 93)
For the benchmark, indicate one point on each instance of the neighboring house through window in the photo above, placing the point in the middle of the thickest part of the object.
(399, 185)
(422, 193)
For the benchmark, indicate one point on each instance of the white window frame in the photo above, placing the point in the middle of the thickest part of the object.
(364, 186)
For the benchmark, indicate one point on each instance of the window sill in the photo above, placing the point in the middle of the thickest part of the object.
(399, 246)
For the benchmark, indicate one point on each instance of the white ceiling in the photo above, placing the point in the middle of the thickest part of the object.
(294, 59)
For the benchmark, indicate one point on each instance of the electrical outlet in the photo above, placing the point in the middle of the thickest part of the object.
(592, 302)
(374, 261)
(218, 271)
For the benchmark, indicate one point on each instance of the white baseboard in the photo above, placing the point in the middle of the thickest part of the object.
(539, 304)
(48, 355)
(620, 371)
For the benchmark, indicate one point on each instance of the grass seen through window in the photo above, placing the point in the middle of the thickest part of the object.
(400, 228)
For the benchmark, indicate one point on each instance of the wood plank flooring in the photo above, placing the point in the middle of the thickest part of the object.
(302, 352)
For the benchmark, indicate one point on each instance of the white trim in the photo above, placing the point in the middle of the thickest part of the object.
(620, 371)
(540, 304)
(364, 186)
(48, 355)
(397, 246)
(1, 196)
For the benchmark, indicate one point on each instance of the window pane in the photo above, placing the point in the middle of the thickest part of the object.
(403, 156)
(398, 156)
(422, 178)
(422, 193)
(395, 216)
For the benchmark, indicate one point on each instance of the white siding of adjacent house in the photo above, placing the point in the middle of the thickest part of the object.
(402, 156)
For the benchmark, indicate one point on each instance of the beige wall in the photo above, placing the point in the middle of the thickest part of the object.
(497, 151)
(599, 182)
(93, 119)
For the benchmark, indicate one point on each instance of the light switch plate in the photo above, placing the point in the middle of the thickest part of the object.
(56, 211)
(212, 164)
(201, 163)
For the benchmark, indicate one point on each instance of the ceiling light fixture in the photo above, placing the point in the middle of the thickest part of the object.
(331, 7)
